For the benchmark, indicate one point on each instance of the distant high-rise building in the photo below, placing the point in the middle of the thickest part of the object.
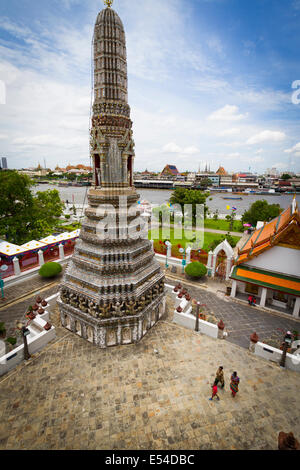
(4, 163)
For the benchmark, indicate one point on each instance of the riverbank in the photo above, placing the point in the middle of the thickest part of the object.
(156, 197)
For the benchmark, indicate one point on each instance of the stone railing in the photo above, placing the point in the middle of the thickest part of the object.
(272, 354)
(183, 315)
(38, 338)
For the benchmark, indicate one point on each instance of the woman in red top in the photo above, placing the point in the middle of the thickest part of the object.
(214, 392)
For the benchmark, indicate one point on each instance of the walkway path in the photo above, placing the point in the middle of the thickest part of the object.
(241, 320)
(211, 230)
(20, 296)
(151, 395)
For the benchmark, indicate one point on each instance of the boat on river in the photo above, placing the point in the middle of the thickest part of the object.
(234, 198)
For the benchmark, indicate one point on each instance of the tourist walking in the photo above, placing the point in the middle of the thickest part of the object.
(234, 384)
(214, 392)
(220, 377)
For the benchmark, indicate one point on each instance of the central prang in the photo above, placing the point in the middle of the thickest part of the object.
(113, 289)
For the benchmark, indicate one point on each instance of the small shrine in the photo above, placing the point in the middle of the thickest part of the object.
(267, 266)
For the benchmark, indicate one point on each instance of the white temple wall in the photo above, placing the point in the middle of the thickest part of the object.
(278, 259)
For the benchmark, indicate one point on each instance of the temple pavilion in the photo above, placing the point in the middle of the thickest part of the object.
(268, 265)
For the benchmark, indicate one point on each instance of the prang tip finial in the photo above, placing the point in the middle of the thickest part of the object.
(108, 3)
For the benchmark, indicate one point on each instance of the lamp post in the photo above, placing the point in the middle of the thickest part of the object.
(182, 251)
(167, 244)
(3, 268)
(197, 317)
(24, 332)
(287, 343)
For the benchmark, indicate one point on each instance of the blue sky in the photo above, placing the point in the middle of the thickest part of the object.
(210, 81)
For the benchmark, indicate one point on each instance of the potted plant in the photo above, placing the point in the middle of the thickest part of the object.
(202, 315)
(2, 330)
(11, 342)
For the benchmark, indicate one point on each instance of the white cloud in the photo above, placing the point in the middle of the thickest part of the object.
(46, 72)
(256, 159)
(294, 149)
(50, 141)
(234, 144)
(229, 132)
(227, 113)
(171, 148)
(234, 155)
(266, 136)
(190, 150)
(174, 148)
(280, 165)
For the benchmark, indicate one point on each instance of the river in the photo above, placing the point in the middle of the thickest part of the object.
(159, 196)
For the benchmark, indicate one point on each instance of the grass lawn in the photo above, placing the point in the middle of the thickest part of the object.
(223, 225)
(185, 241)
(69, 227)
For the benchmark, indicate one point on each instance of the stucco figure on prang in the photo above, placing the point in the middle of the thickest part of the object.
(113, 289)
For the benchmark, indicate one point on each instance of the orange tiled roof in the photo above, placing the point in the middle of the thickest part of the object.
(263, 278)
(268, 235)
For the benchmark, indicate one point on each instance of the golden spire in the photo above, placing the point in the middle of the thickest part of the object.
(108, 3)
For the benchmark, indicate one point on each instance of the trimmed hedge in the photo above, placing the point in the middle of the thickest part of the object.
(2, 329)
(49, 270)
(11, 340)
(196, 269)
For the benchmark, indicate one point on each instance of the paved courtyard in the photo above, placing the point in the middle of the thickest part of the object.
(240, 319)
(153, 395)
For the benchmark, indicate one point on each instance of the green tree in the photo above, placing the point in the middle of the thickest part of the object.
(261, 211)
(232, 242)
(205, 182)
(24, 216)
(230, 219)
(48, 208)
(161, 212)
(286, 176)
(16, 205)
(182, 196)
(70, 176)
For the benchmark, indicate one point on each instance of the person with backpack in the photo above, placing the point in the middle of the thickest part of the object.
(220, 377)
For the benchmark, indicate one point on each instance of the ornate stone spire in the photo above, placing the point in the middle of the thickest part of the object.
(113, 289)
(108, 3)
(113, 163)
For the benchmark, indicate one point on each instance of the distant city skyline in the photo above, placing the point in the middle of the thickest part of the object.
(210, 82)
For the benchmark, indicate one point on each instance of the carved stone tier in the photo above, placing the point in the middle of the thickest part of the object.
(112, 292)
(115, 330)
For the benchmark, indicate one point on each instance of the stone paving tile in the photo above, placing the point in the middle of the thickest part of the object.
(27, 286)
(242, 320)
(75, 396)
(15, 312)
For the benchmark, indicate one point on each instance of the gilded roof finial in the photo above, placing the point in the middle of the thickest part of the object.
(108, 3)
